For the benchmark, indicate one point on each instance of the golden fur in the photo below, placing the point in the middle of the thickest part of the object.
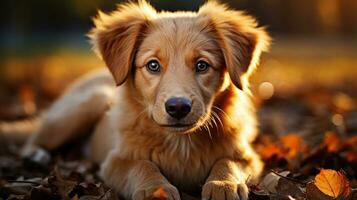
(138, 153)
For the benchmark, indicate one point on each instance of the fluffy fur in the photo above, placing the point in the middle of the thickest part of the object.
(137, 154)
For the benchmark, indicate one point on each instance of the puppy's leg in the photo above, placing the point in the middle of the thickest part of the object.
(135, 179)
(227, 181)
(77, 110)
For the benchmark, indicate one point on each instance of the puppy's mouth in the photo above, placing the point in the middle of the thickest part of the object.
(178, 127)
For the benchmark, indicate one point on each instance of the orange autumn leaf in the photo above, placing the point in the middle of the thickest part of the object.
(269, 150)
(332, 183)
(351, 156)
(293, 144)
(332, 141)
(288, 146)
(351, 142)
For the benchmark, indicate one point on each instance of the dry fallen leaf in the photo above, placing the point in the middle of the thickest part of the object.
(351, 156)
(313, 193)
(332, 141)
(271, 180)
(293, 145)
(351, 142)
(288, 188)
(289, 146)
(269, 150)
(332, 183)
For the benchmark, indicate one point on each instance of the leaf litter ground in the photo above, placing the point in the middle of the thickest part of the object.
(308, 141)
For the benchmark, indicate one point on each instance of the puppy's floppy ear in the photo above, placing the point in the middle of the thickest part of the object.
(115, 36)
(239, 37)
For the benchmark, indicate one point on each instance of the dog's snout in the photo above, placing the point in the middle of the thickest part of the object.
(178, 107)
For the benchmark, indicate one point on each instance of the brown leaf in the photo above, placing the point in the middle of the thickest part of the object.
(288, 188)
(256, 193)
(59, 185)
(42, 192)
(313, 193)
(270, 181)
(332, 183)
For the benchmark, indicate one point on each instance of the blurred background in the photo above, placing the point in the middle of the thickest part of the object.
(313, 57)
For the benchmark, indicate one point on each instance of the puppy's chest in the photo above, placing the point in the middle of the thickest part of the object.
(184, 163)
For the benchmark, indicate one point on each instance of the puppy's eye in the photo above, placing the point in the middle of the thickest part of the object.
(153, 66)
(201, 66)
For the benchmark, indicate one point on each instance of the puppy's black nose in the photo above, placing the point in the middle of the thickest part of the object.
(178, 107)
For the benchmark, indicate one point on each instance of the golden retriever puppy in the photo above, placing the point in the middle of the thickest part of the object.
(181, 118)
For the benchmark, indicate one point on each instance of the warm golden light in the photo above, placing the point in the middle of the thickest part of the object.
(337, 119)
(266, 90)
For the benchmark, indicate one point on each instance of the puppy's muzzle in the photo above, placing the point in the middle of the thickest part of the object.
(178, 107)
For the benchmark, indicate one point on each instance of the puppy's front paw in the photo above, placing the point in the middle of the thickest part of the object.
(166, 191)
(224, 190)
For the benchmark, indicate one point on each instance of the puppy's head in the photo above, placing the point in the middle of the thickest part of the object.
(178, 61)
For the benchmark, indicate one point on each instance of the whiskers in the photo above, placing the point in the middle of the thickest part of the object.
(205, 125)
(223, 112)
(216, 116)
(211, 123)
(214, 121)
